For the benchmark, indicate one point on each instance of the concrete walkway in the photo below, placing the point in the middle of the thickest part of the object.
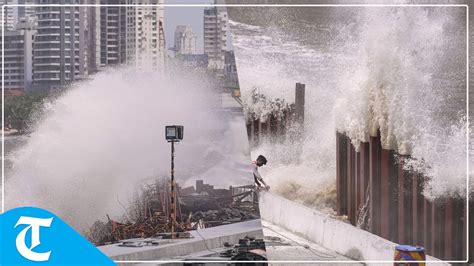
(325, 231)
(282, 245)
(205, 241)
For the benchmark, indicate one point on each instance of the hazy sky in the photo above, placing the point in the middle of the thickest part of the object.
(192, 16)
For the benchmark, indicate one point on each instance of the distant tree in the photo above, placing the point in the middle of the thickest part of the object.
(20, 111)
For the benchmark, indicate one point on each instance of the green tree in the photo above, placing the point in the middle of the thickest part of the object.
(21, 110)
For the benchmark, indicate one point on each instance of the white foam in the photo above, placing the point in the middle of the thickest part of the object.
(400, 70)
(98, 141)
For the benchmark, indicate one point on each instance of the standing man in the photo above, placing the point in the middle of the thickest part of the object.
(261, 160)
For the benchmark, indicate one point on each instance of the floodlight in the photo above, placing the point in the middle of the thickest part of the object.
(174, 133)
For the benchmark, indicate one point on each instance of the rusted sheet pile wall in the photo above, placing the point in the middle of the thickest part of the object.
(375, 190)
(378, 194)
(275, 126)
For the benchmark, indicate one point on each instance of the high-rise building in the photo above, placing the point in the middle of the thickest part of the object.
(230, 70)
(107, 31)
(93, 49)
(144, 42)
(215, 35)
(60, 45)
(185, 40)
(15, 14)
(10, 13)
(18, 65)
(26, 13)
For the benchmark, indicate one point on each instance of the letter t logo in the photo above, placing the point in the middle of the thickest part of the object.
(34, 225)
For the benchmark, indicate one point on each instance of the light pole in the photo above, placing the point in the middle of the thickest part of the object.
(173, 134)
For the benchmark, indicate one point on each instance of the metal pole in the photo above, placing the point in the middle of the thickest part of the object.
(173, 193)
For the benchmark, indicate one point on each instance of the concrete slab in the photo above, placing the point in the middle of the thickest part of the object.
(326, 231)
(204, 240)
(282, 245)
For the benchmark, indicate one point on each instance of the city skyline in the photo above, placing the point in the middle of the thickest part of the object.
(61, 44)
(191, 16)
(185, 40)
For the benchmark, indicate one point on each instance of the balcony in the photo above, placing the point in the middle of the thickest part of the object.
(47, 56)
(49, 34)
(44, 12)
(38, 71)
(46, 79)
(47, 49)
(48, 26)
(47, 64)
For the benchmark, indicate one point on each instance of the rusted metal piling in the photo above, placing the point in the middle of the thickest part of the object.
(341, 175)
(405, 205)
(374, 188)
(375, 208)
(398, 211)
(385, 194)
(471, 232)
(285, 121)
(299, 102)
(363, 172)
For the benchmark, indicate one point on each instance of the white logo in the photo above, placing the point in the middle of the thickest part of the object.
(34, 224)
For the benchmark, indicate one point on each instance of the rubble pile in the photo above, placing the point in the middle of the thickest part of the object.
(148, 215)
(210, 207)
(112, 231)
(227, 215)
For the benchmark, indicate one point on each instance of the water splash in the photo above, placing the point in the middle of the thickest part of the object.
(400, 70)
(98, 141)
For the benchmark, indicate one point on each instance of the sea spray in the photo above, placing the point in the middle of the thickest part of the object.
(97, 142)
(395, 69)
(415, 79)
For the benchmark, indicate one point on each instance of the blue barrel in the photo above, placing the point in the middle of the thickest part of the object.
(410, 254)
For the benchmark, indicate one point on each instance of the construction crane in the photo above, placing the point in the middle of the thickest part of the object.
(162, 42)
